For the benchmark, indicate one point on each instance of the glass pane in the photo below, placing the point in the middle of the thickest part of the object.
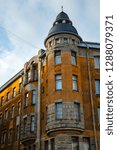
(97, 86)
(97, 61)
(58, 110)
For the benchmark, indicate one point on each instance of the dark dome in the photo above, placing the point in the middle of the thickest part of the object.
(62, 16)
(61, 25)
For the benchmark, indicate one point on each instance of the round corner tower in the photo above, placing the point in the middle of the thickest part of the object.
(62, 121)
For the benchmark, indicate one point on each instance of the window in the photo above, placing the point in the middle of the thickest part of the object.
(10, 136)
(28, 76)
(3, 139)
(34, 74)
(74, 83)
(75, 143)
(12, 112)
(17, 133)
(32, 124)
(6, 114)
(33, 96)
(26, 100)
(58, 82)
(14, 91)
(86, 144)
(20, 87)
(0, 118)
(99, 115)
(57, 41)
(24, 125)
(2, 100)
(65, 40)
(73, 58)
(59, 110)
(19, 108)
(46, 145)
(77, 111)
(97, 86)
(58, 57)
(97, 62)
(52, 143)
(8, 96)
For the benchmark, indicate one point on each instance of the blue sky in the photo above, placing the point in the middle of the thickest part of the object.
(24, 25)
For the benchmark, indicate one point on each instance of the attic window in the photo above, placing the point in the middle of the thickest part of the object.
(64, 21)
(56, 22)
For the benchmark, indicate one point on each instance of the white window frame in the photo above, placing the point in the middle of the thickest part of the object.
(58, 57)
(59, 110)
(75, 82)
(58, 80)
(97, 62)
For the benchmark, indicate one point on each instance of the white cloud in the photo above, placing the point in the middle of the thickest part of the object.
(31, 20)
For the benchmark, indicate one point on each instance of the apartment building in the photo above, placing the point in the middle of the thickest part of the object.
(53, 103)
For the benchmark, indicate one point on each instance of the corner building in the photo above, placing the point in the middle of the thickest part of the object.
(54, 101)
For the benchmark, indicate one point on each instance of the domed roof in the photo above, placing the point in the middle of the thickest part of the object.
(61, 25)
(61, 16)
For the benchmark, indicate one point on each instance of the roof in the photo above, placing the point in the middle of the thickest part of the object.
(11, 80)
(89, 45)
(61, 25)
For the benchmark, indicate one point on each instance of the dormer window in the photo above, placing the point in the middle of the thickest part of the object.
(64, 21)
(56, 22)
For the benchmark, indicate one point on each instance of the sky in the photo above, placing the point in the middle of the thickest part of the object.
(24, 25)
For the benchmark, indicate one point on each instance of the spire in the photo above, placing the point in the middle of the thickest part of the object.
(62, 8)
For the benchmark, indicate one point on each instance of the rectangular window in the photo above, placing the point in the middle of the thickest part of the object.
(86, 143)
(74, 82)
(17, 133)
(52, 143)
(24, 125)
(6, 114)
(46, 145)
(97, 62)
(57, 40)
(58, 57)
(33, 96)
(58, 82)
(75, 143)
(26, 99)
(65, 40)
(34, 74)
(32, 124)
(20, 87)
(2, 100)
(0, 118)
(77, 111)
(73, 58)
(8, 96)
(28, 76)
(59, 110)
(14, 91)
(99, 115)
(19, 108)
(97, 87)
(12, 111)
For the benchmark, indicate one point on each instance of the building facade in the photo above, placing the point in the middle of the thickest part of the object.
(53, 103)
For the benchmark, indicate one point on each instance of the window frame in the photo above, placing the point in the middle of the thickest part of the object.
(73, 58)
(58, 110)
(32, 124)
(77, 111)
(74, 82)
(34, 93)
(57, 57)
(58, 82)
(26, 99)
(74, 141)
(97, 86)
(97, 62)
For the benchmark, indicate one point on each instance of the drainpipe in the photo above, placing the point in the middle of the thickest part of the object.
(38, 140)
(91, 95)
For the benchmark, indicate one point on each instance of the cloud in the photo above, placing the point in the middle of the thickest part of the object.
(26, 24)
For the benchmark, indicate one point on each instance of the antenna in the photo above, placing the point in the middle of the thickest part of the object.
(62, 8)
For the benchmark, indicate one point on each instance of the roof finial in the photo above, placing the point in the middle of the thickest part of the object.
(62, 8)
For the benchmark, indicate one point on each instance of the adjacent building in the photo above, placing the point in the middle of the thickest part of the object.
(53, 103)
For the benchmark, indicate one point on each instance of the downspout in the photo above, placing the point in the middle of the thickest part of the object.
(91, 95)
(38, 141)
